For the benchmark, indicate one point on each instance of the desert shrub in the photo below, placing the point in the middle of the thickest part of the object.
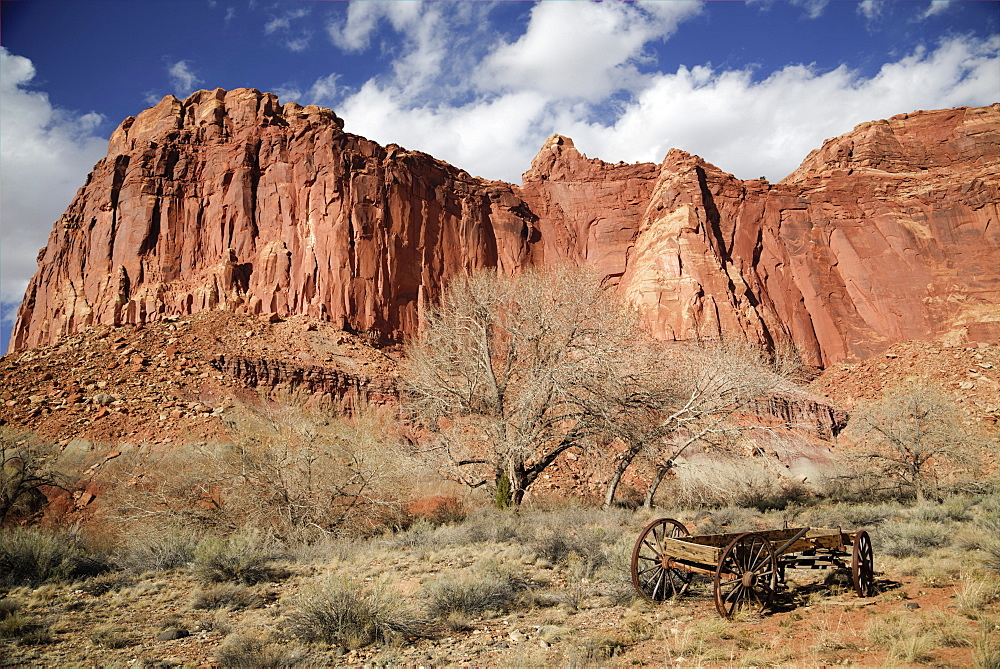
(748, 483)
(910, 539)
(167, 548)
(32, 556)
(976, 593)
(557, 545)
(903, 637)
(420, 533)
(986, 652)
(25, 629)
(229, 596)
(483, 525)
(726, 519)
(294, 475)
(491, 589)
(850, 516)
(98, 585)
(573, 533)
(988, 527)
(111, 636)
(241, 558)
(339, 612)
(247, 651)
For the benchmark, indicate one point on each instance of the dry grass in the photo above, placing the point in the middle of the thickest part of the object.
(455, 593)
(230, 596)
(336, 611)
(247, 650)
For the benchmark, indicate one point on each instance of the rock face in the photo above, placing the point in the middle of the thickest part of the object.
(229, 200)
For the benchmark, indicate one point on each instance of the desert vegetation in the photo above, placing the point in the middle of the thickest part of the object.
(414, 536)
(538, 586)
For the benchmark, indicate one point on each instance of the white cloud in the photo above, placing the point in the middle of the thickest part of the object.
(44, 153)
(182, 79)
(293, 39)
(813, 8)
(578, 69)
(583, 51)
(871, 9)
(935, 7)
(284, 22)
(356, 32)
(767, 127)
(745, 126)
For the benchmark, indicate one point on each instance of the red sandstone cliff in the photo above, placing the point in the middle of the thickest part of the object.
(228, 200)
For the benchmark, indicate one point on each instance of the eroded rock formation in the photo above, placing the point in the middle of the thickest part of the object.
(229, 200)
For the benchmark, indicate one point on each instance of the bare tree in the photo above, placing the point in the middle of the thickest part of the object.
(26, 466)
(284, 472)
(508, 373)
(690, 392)
(914, 436)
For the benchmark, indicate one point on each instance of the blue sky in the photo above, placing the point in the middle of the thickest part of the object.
(751, 87)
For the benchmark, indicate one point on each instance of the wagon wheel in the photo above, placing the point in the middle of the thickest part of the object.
(746, 575)
(862, 565)
(652, 574)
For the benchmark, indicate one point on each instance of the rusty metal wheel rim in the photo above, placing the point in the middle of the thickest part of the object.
(653, 577)
(862, 565)
(746, 575)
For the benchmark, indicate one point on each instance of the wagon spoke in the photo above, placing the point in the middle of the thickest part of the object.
(651, 578)
(745, 574)
(659, 582)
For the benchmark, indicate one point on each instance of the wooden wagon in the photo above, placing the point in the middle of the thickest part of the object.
(747, 569)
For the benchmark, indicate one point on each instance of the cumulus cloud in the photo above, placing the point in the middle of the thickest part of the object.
(767, 127)
(493, 125)
(581, 51)
(44, 151)
(182, 79)
(363, 17)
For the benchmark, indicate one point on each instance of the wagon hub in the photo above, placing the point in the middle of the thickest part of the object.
(749, 579)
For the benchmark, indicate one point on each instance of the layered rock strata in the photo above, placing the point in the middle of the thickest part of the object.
(230, 200)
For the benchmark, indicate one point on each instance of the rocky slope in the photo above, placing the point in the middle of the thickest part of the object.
(229, 200)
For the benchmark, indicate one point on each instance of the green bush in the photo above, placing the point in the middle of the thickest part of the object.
(32, 556)
(339, 612)
(241, 558)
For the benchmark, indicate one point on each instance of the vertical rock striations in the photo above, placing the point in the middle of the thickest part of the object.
(230, 200)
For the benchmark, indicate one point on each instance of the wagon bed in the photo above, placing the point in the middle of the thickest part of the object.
(747, 568)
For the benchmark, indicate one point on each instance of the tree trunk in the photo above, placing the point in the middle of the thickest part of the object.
(623, 465)
(519, 483)
(661, 472)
